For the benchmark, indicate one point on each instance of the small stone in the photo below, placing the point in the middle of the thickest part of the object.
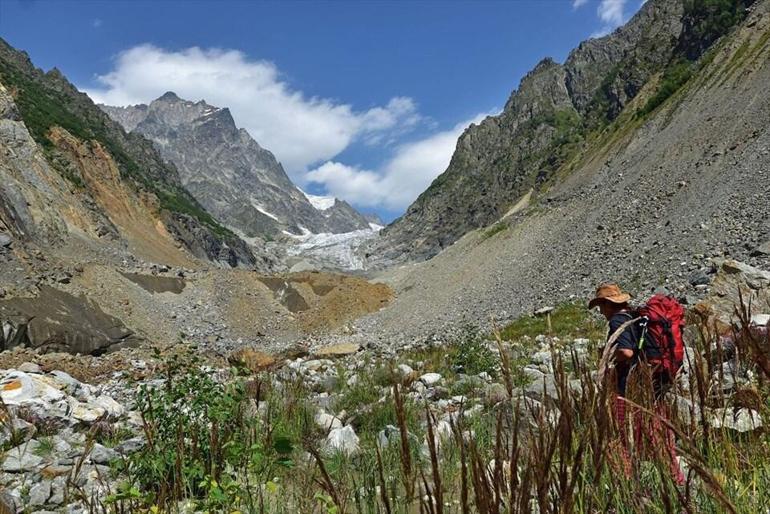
(130, 446)
(699, 278)
(7, 502)
(741, 420)
(430, 379)
(404, 371)
(495, 393)
(70, 384)
(64, 278)
(20, 430)
(22, 458)
(113, 408)
(386, 436)
(85, 412)
(5, 240)
(326, 421)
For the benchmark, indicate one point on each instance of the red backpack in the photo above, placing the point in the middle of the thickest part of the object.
(663, 321)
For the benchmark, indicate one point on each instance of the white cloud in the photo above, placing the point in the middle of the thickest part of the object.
(612, 15)
(298, 129)
(400, 180)
(576, 4)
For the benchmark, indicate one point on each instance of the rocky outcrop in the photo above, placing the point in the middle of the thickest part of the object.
(558, 111)
(68, 169)
(56, 321)
(236, 179)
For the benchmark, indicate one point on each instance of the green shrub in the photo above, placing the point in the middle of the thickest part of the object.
(674, 77)
(472, 355)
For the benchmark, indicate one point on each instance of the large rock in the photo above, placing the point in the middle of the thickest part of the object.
(343, 440)
(735, 281)
(252, 359)
(62, 322)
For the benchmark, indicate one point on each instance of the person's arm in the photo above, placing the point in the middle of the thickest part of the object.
(624, 349)
(623, 354)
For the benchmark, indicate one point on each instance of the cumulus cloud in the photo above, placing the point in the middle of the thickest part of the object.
(396, 184)
(300, 130)
(612, 15)
(576, 4)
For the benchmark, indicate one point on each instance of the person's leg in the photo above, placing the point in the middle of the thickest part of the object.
(621, 449)
(669, 440)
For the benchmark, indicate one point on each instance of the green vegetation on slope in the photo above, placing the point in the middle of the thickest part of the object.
(705, 21)
(43, 107)
(674, 77)
(567, 320)
(250, 444)
(711, 19)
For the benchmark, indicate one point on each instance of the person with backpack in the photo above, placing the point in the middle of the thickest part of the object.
(648, 340)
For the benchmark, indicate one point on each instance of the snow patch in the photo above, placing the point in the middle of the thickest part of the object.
(321, 203)
(264, 211)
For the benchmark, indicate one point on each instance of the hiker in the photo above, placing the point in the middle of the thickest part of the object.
(638, 337)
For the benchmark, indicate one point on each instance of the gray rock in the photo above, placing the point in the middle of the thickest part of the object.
(741, 420)
(326, 421)
(8, 502)
(18, 430)
(5, 240)
(103, 455)
(57, 490)
(699, 278)
(762, 249)
(495, 393)
(343, 440)
(430, 379)
(22, 458)
(39, 493)
(130, 446)
(541, 389)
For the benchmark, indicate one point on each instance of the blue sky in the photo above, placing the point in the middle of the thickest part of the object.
(363, 100)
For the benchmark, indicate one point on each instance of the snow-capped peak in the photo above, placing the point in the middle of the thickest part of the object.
(320, 202)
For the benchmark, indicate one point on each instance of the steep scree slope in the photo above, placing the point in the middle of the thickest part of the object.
(652, 200)
(557, 111)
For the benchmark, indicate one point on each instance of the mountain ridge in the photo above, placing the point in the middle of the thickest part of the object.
(73, 136)
(225, 169)
(555, 113)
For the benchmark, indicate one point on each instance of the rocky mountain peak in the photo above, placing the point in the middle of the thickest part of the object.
(168, 96)
(228, 171)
